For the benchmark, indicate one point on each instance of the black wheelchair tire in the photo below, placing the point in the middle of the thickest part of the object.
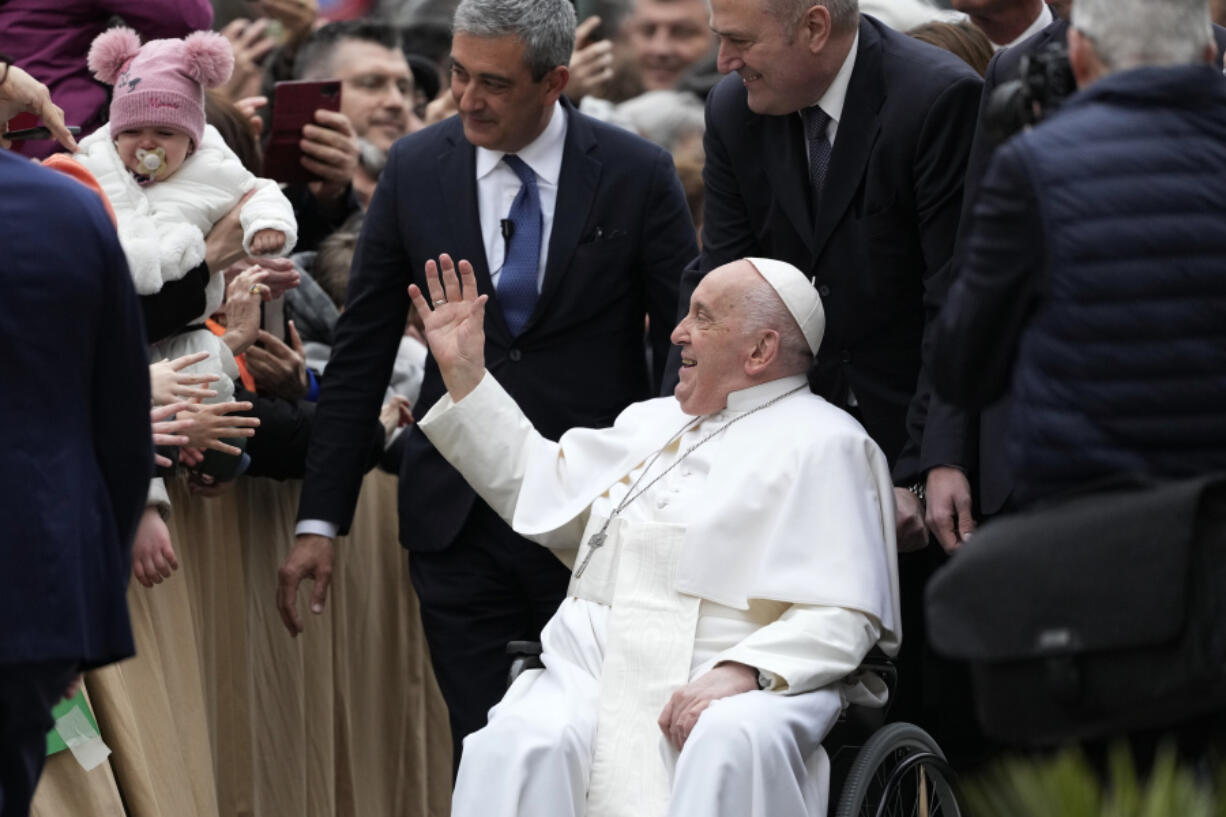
(872, 777)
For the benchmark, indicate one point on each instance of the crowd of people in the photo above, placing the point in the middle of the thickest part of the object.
(515, 246)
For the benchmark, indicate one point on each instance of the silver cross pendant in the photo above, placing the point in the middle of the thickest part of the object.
(595, 543)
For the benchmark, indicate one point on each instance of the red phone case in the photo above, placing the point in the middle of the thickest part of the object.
(294, 105)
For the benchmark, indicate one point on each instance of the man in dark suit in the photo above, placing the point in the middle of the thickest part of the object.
(840, 146)
(578, 232)
(78, 453)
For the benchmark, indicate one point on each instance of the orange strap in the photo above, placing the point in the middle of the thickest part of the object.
(243, 375)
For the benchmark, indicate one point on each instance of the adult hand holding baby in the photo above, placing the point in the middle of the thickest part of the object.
(224, 243)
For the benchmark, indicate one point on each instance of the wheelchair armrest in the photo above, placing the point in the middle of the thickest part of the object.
(525, 655)
(523, 648)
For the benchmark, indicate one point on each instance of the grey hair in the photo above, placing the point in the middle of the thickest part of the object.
(763, 309)
(547, 28)
(1134, 33)
(665, 117)
(844, 14)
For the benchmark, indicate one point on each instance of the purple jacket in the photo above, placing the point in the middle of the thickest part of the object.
(50, 40)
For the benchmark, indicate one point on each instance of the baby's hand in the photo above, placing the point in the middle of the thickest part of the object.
(266, 242)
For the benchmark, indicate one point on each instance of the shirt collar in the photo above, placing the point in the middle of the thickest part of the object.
(754, 396)
(543, 154)
(1041, 22)
(832, 101)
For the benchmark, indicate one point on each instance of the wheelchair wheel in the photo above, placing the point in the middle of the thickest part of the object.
(900, 772)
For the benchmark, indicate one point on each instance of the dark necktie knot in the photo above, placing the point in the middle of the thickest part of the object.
(525, 173)
(817, 122)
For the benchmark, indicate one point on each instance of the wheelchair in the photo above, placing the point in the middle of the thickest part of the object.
(877, 769)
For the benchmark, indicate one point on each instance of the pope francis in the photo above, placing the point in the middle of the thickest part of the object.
(733, 555)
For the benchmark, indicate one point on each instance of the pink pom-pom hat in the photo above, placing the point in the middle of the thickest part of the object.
(160, 84)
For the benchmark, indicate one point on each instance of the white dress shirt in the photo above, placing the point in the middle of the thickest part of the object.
(833, 100)
(1041, 22)
(497, 187)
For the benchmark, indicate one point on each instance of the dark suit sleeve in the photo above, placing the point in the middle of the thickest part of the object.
(279, 450)
(977, 333)
(123, 438)
(940, 168)
(367, 337)
(175, 305)
(668, 245)
(946, 443)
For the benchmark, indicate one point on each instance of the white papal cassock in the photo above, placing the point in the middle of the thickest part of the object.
(772, 545)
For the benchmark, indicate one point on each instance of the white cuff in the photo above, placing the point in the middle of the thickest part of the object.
(316, 526)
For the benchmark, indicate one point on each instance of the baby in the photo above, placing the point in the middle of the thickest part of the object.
(170, 177)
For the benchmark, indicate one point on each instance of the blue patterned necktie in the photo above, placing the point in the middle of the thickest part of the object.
(816, 122)
(517, 291)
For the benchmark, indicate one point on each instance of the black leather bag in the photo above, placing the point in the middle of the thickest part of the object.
(1099, 616)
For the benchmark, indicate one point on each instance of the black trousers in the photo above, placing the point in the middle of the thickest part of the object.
(491, 586)
(27, 694)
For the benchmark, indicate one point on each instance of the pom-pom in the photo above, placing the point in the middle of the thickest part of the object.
(208, 58)
(111, 51)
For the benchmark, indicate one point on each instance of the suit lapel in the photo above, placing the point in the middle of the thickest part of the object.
(457, 168)
(857, 132)
(577, 184)
(783, 140)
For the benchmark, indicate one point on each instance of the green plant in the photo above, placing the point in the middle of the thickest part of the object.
(1067, 786)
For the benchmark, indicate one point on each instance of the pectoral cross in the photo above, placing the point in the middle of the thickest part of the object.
(595, 543)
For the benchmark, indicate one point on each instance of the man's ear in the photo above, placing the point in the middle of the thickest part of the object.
(764, 353)
(814, 28)
(1083, 58)
(555, 82)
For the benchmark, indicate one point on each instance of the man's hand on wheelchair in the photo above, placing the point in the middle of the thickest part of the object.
(685, 706)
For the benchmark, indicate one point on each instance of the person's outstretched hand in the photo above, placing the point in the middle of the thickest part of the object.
(455, 324)
(170, 383)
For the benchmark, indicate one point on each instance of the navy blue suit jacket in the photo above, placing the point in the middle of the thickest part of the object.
(880, 244)
(621, 236)
(985, 441)
(74, 422)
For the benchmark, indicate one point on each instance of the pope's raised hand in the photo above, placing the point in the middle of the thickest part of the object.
(454, 320)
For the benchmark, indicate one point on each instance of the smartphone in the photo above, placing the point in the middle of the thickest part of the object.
(585, 9)
(38, 133)
(294, 105)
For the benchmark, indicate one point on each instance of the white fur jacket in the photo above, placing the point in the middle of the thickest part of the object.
(162, 225)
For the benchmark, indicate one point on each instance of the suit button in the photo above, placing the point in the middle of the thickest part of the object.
(845, 356)
(824, 291)
(515, 355)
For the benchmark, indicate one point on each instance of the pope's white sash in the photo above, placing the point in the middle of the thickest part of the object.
(648, 654)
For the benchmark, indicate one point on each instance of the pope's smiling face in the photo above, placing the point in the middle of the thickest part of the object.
(715, 340)
(776, 60)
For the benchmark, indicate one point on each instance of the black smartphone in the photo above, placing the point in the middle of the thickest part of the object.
(585, 9)
(40, 132)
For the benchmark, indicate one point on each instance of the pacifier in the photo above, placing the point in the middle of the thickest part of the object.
(151, 162)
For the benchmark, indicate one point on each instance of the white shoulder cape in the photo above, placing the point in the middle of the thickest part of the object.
(798, 505)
